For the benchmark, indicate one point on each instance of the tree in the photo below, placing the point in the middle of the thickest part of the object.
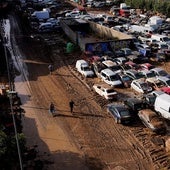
(8, 150)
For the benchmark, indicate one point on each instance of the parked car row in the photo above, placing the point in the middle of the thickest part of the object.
(125, 68)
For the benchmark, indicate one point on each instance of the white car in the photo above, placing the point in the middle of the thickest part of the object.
(141, 86)
(83, 67)
(160, 72)
(105, 91)
(164, 80)
(73, 14)
(147, 73)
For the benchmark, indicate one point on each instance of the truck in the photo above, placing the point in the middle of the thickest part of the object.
(162, 105)
(156, 20)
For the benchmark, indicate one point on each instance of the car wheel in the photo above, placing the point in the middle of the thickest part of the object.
(117, 120)
(159, 113)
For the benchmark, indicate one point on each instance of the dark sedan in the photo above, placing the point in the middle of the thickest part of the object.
(120, 113)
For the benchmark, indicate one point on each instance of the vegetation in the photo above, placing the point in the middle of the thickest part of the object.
(8, 151)
(155, 5)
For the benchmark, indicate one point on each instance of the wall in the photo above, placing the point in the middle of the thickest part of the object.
(104, 32)
(108, 32)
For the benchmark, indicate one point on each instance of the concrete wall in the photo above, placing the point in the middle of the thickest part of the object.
(108, 33)
(103, 34)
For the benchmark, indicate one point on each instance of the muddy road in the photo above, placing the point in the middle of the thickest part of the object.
(87, 139)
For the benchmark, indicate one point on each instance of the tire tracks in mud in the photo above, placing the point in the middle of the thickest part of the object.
(93, 136)
(94, 132)
(156, 152)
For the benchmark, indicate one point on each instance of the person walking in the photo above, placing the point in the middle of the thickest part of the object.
(52, 108)
(71, 104)
(51, 68)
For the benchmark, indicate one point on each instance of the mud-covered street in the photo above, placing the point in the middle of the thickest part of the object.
(87, 139)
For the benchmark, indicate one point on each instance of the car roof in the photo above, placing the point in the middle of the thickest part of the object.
(131, 71)
(121, 58)
(147, 64)
(157, 92)
(146, 71)
(144, 45)
(140, 81)
(134, 100)
(165, 89)
(163, 78)
(130, 63)
(118, 106)
(108, 71)
(157, 69)
(46, 23)
(82, 61)
(152, 80)
(109, 63)
(104, 85)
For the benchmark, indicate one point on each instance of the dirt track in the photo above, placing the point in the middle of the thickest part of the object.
(87, 139)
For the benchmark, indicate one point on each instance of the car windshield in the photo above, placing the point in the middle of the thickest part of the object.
(119, 54)
(159, 84)
(128, 52)
(114, 78)
(168, 82)
(126, 78)
(110, 90)
(151, 67)
(124, 113)
(166, 39)
(86, 68)
(138, 106)
(144, 85)
(110, 18)
(164, 46)
(163, 73)
(150, 74)
(115, 68)
(139, 75)
(151, 99)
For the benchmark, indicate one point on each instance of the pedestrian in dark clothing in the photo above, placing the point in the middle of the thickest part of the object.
(51, 68)
(52, 108)
(71, 104)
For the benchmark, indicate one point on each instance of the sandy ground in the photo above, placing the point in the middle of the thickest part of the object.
(87, 139)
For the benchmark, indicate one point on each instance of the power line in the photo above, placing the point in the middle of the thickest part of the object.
(11, 88)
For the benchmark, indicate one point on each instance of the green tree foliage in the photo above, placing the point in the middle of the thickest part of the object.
(8, 150)
(153, 5)
(3, 146)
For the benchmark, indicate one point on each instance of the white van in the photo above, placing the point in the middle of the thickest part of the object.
(82, 66)
(162, 105)
(161, 38)
(141, 29)
(110, 77)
